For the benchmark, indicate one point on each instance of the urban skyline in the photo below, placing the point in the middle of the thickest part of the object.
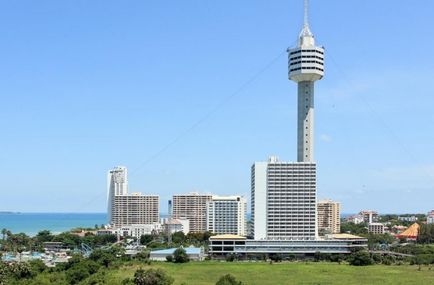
(381, 154)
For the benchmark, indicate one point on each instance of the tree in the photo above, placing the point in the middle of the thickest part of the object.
(44, 236)
(152, 277)
(145, 239)
(180, 255)
(228, 279)
(178, 237)
(360, 258)
(103, 257)
(4, 231)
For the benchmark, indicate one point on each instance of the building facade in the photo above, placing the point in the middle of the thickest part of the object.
(284, 200)
(227, 215)
(191, 206)
(329, 217)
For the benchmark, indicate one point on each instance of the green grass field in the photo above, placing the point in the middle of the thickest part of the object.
(261, 273)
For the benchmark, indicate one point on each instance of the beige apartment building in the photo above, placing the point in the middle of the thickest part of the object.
(135, 209)
(329, 217)
(191, 206)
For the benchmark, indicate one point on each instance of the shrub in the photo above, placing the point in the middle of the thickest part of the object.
(152, 277)
(228, 279)
(169, 258)
(360, 258)
(180, 255)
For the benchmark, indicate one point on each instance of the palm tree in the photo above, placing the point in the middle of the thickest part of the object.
(4, 231)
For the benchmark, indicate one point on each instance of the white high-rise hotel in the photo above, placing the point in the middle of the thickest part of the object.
(284, 193)
(227, 215)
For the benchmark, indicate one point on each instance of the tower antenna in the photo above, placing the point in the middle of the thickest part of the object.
(306, 13)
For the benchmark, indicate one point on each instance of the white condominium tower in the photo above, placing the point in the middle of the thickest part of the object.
(191, 206)
(227, 215)
(129, 209)
(329, 217)
(117, 182)
(284, 193)
(284, 200)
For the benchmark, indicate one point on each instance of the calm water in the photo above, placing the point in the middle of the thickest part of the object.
(32, 223)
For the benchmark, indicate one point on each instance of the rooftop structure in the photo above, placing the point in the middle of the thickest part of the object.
(411, 233)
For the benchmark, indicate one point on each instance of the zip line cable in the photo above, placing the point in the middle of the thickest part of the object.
(199, 122)
(383, 122)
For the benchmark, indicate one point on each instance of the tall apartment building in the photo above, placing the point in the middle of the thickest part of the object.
(191, 206)
(135, 209)
(227, 215)
(329, 217)
(128, 209)
(284, 200)
(117, 182)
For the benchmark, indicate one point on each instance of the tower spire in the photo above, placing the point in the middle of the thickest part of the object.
(306, 13)
(306, 36)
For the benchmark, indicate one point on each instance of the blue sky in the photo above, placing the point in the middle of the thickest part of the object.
(88, 85)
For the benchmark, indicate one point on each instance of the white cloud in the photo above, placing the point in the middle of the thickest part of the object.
(325, 138)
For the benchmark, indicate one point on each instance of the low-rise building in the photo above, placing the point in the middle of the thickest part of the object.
(222, 245)
(376, 228)
(411, 218)
(356, 219)
(369, 216)
(176, 225)
(193, 253)
(430, 217)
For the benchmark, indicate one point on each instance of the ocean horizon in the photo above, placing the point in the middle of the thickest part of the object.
(32, 223)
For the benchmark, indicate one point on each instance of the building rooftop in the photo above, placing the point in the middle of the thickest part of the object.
(346, 236)
(227, 236)
(168, 251)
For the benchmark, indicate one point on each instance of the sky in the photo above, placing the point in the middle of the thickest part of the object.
(189, 94)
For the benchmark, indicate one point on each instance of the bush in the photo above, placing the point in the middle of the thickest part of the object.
(169, 258)
(360, 258)
(180, 256)
(77, 274)
(152, 277)
(228, 279)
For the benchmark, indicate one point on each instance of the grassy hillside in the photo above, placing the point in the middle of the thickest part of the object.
(205, 273)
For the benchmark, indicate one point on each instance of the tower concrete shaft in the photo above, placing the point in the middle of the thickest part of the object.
(305, 121)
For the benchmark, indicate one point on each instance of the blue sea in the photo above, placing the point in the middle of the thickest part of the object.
(32, 223)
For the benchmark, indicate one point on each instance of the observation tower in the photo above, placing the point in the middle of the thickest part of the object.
(305, 66)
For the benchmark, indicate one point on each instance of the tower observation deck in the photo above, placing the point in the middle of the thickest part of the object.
(305, 66)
